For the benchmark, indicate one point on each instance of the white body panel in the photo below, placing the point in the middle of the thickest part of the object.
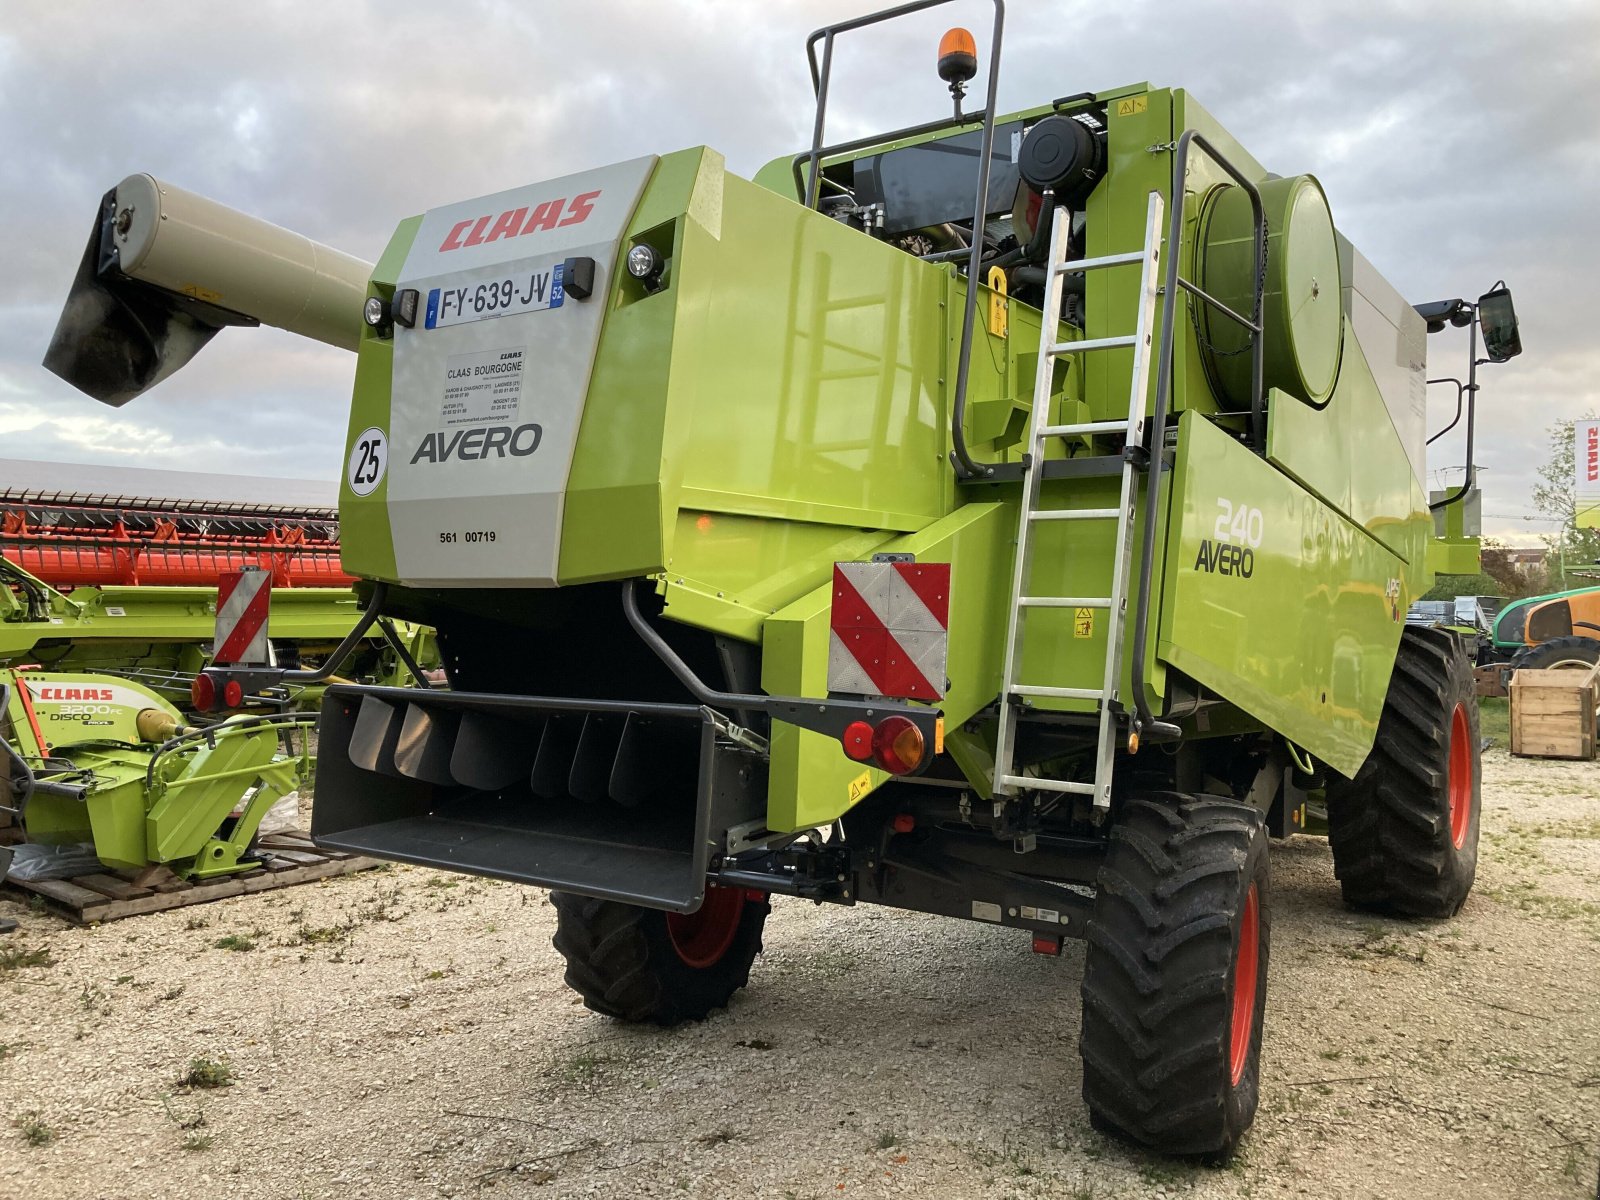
(487, 402)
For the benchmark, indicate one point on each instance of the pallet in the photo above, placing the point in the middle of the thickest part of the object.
(109, 895)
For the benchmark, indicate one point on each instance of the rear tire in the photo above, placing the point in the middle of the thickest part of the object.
(1563, 653)
(643, 965)
(1175, 975)
(1404, 831)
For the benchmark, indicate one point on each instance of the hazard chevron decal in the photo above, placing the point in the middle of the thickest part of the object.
(243, 597)
(889, 629)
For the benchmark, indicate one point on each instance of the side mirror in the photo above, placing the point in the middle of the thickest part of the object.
(1497, 317)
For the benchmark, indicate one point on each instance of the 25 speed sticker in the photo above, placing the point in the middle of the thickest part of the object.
(369, 459)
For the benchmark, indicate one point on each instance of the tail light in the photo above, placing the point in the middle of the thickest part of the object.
(203, 693)
(894, 744)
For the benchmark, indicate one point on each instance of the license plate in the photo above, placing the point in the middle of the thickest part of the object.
(528, 290)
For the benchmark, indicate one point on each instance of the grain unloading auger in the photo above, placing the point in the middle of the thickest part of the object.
(731, 502)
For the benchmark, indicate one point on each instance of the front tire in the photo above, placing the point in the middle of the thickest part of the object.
(1404, 831)
(643, 965)
(1175, 975)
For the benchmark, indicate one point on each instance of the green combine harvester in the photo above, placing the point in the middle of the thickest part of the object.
(1011, 517)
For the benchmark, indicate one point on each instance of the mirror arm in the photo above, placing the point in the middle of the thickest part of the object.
(1471, 392)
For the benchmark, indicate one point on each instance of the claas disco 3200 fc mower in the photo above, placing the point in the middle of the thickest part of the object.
(1028, 544)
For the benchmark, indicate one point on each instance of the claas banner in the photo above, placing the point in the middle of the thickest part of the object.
(1586, 468)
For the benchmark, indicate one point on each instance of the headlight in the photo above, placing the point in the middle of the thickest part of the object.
(376, 312)
(644, 262)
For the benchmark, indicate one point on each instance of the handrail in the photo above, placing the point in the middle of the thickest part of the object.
(961, 459)
(1470, 389)
(1461, 391)
(1156, 435)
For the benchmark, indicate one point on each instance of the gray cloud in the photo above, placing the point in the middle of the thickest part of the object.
(1456, 142)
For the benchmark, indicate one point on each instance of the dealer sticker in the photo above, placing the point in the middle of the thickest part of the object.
(482, 387)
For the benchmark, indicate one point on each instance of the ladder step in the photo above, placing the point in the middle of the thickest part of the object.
(1074, 514)
(1049, 431)
(1049, 785)
(1105, 260)
(1110, 343)
(1063, 601)
(1055, 693)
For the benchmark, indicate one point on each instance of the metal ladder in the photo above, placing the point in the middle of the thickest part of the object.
(1013, 692)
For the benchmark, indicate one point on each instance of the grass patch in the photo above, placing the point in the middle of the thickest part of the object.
(1494, 720)
(196, 1140)
(585, 1066)
(1378, 942)
(15, 958)
(888, 1140)
(383, 905)
(322, 935)
(1527, 897)
(33, 1129)
(234, 941)
(204, 1072)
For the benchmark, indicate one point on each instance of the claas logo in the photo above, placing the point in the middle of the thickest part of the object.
(74, 693)
(519, 222)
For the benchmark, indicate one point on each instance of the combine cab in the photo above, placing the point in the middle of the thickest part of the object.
(1011, 517)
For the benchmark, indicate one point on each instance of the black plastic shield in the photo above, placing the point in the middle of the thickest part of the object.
(621, 801)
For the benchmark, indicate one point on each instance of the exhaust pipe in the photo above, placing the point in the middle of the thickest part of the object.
(165, 269)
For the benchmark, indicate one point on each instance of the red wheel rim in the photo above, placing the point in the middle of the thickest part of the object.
(1244, 987)
(1459, 783)
(702, 937)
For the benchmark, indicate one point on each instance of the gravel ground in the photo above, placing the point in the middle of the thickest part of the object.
(407, 1034)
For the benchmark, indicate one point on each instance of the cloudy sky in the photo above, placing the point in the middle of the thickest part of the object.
(1457, 143)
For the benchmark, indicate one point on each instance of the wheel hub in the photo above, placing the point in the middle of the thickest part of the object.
(702, 937)
(1245, 965)
(1459, 781)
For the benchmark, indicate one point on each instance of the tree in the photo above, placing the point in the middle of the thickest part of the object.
(1514, 579)
(1556, 496)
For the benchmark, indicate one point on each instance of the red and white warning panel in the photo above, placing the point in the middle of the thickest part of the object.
(890, 629)
(242, 600)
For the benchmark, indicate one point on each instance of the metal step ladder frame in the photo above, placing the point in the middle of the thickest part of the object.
(1012, 692)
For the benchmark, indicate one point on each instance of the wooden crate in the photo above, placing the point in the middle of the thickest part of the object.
(1553, 713)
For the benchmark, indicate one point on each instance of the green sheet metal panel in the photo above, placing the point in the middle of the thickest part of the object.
(366, 546)
(810, 781)
(819, 385)
(626, 467)
(730, 572)
(1275, 602)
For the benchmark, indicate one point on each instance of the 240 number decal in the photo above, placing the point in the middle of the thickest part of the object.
(1238, 523)
(1235, 536)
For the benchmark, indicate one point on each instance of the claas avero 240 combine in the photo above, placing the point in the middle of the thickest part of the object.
(1029, 545)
